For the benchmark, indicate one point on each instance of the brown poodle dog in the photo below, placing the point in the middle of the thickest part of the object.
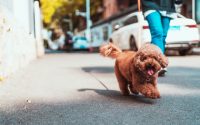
(137, 72)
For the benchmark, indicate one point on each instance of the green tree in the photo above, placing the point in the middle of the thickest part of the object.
(55, 10)
(49, 7)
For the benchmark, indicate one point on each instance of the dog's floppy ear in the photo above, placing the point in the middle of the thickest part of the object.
(163, 60)
(137, 61)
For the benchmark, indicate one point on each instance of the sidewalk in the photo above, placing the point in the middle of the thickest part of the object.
(81, 89)
(53, 78)
(46, 91)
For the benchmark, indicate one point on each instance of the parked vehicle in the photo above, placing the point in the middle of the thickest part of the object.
(80, 42)
(183, 33)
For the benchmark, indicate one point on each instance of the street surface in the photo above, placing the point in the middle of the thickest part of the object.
(81, 89)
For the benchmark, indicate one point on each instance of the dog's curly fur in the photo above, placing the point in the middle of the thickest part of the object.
(137, 72)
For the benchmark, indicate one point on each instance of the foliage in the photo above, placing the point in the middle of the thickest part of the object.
(49, 7)
(54, 10)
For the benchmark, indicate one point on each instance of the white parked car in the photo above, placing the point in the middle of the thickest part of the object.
(183, 33)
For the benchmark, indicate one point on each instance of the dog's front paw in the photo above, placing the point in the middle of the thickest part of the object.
(151, 94)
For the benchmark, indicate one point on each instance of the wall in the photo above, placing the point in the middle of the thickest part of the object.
(22, 8)
(110, 8)
(17, 47)
(8, 4)
(197, 11)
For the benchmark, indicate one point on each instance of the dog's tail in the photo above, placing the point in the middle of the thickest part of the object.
(110, 50)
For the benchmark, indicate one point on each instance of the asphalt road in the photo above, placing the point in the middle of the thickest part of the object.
(81, 89)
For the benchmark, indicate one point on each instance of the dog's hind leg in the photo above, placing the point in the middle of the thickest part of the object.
(123, 83)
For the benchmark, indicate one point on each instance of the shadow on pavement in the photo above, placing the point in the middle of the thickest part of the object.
(185, 77)
(168, 111)
(117, 96)
(96, 69)
(82, 51)
(180, 76)
(179, 80)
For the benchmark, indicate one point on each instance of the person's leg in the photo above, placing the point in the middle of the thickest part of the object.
(156, 29)
(165, 24)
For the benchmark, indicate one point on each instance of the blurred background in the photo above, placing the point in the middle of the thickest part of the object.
(39, 26)
(51, 73)
(95, 20)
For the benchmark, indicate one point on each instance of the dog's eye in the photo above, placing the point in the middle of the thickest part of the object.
(143, 58)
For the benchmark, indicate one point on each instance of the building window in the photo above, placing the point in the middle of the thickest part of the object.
(132, 2)
(197, 11)
(187, 8)
(105, 33)
(131, 20)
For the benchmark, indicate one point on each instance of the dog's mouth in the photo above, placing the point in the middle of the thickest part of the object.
(150, 70)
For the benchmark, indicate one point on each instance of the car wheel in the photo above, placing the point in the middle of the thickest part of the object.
(132, 44)
(184, 52)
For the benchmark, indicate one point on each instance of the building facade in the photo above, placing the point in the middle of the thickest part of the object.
(19, 39)
(112, 7)
(190, 8)
(23, 11)
(196, 12)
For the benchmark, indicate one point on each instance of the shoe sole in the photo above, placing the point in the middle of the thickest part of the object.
(162, 73)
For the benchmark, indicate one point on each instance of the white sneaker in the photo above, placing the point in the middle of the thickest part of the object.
(162, 72)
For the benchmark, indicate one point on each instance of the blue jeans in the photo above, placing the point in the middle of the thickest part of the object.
(159, 26)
